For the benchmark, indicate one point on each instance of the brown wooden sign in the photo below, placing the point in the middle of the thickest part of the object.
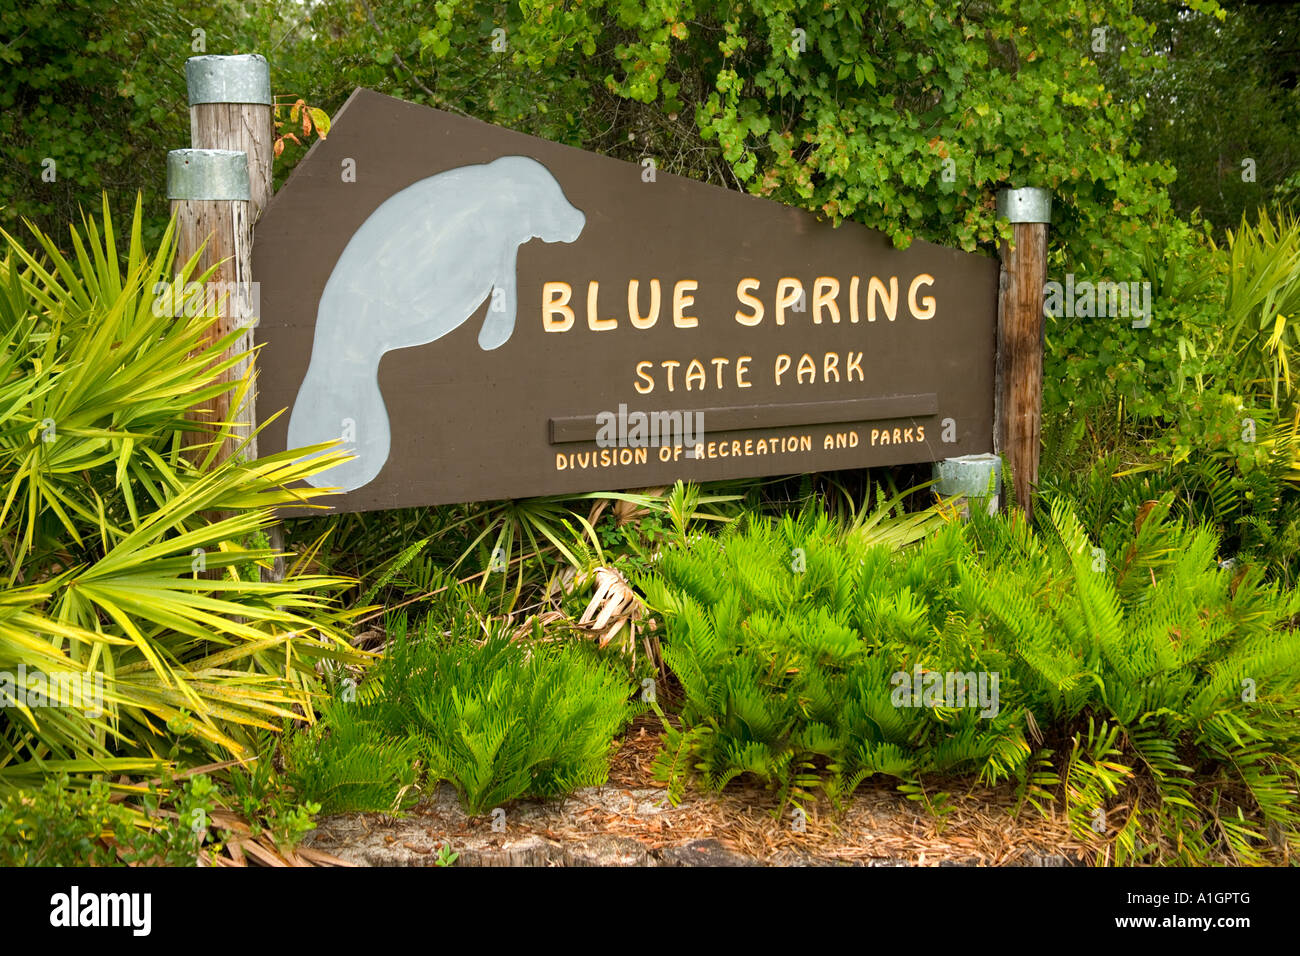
(479, 314)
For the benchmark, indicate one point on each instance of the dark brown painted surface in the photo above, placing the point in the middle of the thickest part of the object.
(469, 424)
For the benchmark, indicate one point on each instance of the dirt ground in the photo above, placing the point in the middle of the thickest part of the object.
(629, 822)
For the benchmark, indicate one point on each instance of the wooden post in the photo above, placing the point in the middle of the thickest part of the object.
(210, 200)
(231, 108)
(1018, 392)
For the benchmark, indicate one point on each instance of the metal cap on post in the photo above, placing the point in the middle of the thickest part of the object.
(211, 174)
(1028, 204)
(230, 108)
(244, 78)
(977, 477)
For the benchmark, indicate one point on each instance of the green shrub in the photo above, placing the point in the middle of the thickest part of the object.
(1260, 332)
(1208, 384)
(347, 764)
(1187, 673)
(785, 637)
(1095, 367)
(1127, 666)
(104, 523)
(62, 825)
(502, 720)
(1245, 490)
(260, 792)
(498, 719)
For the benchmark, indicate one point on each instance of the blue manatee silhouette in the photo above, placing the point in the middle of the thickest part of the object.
(418, 268)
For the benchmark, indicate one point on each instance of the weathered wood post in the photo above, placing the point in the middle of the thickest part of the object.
(1018, 392)
(208, 189)
(231, 108)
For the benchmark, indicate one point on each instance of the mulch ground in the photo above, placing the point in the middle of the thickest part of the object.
(629, 822)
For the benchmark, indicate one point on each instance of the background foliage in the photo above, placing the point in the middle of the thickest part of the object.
(1136, 677)
(904, 115)
(856, 124)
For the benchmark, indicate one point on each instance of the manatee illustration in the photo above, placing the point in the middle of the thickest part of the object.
(418, 268)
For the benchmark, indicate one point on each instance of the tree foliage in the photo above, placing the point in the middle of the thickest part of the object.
(904, 116)
(1224, 109)
(98, 88)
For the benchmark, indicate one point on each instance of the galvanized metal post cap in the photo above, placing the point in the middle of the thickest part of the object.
(243, 78)
(1029, 204)
(973, 476)
(207, 174)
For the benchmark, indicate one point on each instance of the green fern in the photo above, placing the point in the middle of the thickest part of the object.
(346, 764)
(502, 720)
(394, 568)
(1168, 684)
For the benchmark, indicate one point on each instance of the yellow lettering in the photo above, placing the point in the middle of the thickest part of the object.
(926, 311)
(594, 323)
(681, 301)
(742, 369)
(634, 302)
(831, 366)
(719, 363)
(642, 374)
(788, 292)
(825, 289)
(782, 366)
(743, 293)
(877, 288)
(806, 366)
(854, 364)
(694, 375)
(555, 301)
